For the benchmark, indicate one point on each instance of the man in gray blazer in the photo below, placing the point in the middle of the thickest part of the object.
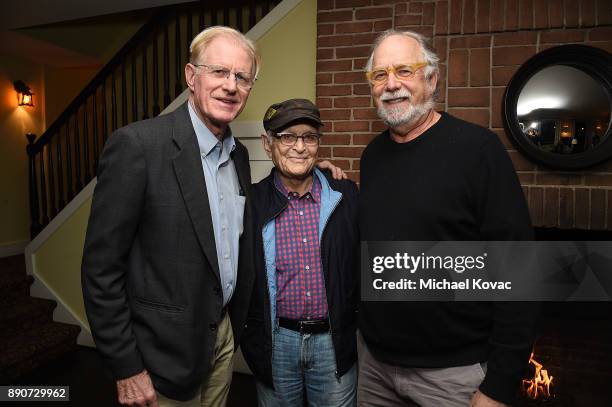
(167, 265)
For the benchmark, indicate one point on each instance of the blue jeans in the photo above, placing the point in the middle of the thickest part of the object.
(306, 363)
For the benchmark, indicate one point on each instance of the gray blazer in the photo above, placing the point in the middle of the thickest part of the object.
(150, 274)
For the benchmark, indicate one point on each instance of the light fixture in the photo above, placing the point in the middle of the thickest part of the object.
(24, 94)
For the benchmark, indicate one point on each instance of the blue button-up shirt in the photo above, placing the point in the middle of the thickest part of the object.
(224, 197)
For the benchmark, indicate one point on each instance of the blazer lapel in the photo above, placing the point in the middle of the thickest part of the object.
(189, 173)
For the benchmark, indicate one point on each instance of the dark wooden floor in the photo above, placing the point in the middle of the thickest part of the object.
(91, 384)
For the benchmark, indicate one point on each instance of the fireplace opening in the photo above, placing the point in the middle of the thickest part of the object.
(573, 345)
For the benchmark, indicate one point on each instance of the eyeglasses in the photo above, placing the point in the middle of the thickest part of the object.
(289, 139)
(243, 80)
(402, 72)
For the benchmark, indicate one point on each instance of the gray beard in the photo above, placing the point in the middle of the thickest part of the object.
(396, 117)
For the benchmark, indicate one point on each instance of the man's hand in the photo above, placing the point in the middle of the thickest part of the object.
(337, 172)
(137, 391)
(480, 400)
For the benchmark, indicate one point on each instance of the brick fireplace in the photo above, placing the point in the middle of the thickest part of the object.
(481, 44)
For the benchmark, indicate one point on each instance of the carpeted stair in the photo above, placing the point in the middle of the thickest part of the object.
(29, 338)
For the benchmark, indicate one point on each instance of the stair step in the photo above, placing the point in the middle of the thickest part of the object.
(13, 287)
(32, 348)
(24, 313)
(13, 265)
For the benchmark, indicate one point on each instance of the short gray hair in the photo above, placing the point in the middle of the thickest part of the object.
(429, 54)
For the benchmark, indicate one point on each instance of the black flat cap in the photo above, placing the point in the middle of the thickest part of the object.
(279, 115)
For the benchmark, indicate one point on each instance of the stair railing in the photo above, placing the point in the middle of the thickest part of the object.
(65, 157)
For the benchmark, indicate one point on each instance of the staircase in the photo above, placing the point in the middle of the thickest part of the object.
(142, 79)
(29, 338)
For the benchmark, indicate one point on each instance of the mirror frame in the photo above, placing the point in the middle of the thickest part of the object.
(595, 62)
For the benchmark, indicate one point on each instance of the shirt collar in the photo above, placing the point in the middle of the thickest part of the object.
(315, 187)
(206, 139)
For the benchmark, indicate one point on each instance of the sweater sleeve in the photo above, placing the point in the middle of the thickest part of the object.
(504, 216)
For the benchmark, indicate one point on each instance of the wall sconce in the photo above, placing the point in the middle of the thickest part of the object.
(24, 94)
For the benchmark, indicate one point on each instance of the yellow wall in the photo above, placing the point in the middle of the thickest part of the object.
(15, 122)
(285, 74)
(54, 89)
(288, 53)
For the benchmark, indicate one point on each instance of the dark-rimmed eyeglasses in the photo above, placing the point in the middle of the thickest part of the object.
(289, 139)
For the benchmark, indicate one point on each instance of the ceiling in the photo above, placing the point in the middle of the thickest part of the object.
(30, 13)
(84, 42)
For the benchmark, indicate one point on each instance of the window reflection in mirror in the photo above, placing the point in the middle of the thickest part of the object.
(563, 110)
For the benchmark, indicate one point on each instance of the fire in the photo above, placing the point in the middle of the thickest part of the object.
(539, 386)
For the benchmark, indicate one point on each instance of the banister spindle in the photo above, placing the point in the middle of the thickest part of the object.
(189, 34)
(60, 171)
(178, 88)
(94, 124)
(43, 188)
(77, 153)
(35, 225)
(69, 180)
(52, 206)
(86, 144)
(156, 108)
(166, 58)
(252, 13)
(124, 99)
(104, 116)
(145, 85)
(134, 89)
(201, 13)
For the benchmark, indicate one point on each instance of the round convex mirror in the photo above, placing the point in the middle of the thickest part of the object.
(557, 107)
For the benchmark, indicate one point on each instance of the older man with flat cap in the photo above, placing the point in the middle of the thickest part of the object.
(300, 335)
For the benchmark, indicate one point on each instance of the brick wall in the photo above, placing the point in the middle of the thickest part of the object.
(481, 44)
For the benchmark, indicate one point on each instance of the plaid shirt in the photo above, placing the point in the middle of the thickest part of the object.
(299, 273)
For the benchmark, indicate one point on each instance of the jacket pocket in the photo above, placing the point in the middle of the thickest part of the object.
(159, 306)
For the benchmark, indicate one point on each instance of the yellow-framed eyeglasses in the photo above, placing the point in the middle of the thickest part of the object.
(402, 72)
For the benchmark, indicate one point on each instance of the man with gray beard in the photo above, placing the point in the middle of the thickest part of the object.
(433, 177)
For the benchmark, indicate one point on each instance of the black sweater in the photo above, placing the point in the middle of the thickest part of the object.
(453, 182)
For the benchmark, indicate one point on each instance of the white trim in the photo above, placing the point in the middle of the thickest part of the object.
(182, 98)
(247, 130)
(62, 313)
(58, 221)
(272, 18)
(13, 248)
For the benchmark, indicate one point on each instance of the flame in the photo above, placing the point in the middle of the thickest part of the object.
(539, 386)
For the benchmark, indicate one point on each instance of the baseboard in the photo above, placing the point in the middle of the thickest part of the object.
(13, 248)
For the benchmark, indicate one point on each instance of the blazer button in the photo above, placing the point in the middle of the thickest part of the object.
(213, 327)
